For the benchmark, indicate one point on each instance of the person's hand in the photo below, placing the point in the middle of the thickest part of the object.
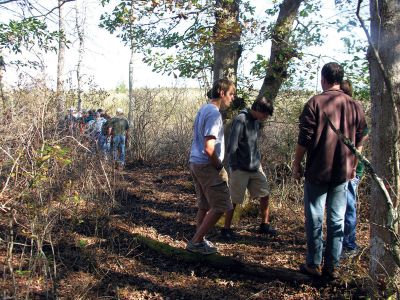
(297, 171)
(353, 173)
(223, 174)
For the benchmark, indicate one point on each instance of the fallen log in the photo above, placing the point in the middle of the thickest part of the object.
(222, 262)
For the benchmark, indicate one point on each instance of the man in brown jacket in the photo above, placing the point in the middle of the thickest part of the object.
(329, 167)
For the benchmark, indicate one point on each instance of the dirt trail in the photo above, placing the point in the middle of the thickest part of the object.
(138, 252)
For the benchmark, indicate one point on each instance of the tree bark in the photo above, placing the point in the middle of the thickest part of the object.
(61, 62)
(7, 108)
(227, 48)
(131, 108)
(80, 29)
(385, 26)
(281, 49)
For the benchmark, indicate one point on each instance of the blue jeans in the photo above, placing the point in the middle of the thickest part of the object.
(350, 218)
(103, 145)
(316, 196)
(119, 148)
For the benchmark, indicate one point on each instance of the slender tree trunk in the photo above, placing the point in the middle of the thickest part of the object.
(80, 29)
(7, 107)
(131, 110)
(385, 27)
(130, 90)
(60, 63)
(7, 112)
(227, 48)
(281, 49)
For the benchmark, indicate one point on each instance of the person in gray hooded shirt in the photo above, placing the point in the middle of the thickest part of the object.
(246, 171)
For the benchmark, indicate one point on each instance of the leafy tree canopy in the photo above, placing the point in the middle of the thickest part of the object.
(174, 36)
(24, 30)
(178, 36)
(25, 34)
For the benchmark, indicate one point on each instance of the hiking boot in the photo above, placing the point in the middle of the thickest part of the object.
(228, 234)
(267, 229)
(204, 247)
(312, 271)
(348, 253)
(330, 272)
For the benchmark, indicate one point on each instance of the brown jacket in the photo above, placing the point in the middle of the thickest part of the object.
(328, 159)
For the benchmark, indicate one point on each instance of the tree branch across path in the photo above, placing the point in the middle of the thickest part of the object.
(392, 216)
(218, 261)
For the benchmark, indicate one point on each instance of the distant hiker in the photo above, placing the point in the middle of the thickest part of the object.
(245, 167)
(105, 139)
(97, 130)
(70, 120)
(329, 167)
(350, 246)
(90, 116)
(118, 129)
(209, 175)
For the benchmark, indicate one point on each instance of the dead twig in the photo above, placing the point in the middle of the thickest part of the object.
(392, 217)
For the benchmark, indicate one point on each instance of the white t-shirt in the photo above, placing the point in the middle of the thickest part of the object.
(208, 122)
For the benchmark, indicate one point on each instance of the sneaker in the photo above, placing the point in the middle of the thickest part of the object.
(348, 253)
(313, 271)
(208, 243)
(330, 272)
(228, 234)
(204, 247)
(267, 229)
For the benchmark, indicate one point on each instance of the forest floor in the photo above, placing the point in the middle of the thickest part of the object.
(137, 251)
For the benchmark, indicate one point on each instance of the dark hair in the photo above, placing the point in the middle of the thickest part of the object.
(218, 86)
(347, 87)
(263, 105)
(332, 73)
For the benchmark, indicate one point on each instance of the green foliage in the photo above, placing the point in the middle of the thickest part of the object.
(23, 272)
(82, 244)
(259, 67)
(176, 37)
(356, 45)
(49, 155)
(306, 32)
(26, 33)
(121, 88)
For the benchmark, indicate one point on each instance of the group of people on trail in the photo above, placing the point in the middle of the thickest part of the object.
(106, 135)
(330, 169)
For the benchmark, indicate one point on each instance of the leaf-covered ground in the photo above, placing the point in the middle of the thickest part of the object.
(137, 252)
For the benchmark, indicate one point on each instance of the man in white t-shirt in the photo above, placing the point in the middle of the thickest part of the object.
(206, 156)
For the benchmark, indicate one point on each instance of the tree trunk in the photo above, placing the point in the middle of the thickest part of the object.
(80, 29)
(385, 26)
(227, 48)
(7, 108)
(281, 49)
(130, 89)
(131, 108)
(60, 62)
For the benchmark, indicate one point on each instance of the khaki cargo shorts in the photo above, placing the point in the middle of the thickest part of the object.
(211, 187)
(255, 182)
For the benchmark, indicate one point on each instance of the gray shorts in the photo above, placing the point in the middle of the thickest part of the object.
(211, 187)
(255, 182)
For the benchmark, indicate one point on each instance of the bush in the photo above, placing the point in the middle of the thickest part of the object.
(51, 183)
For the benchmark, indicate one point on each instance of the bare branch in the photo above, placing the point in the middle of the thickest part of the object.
(53, 9)
(392, 216)
(7, 1)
